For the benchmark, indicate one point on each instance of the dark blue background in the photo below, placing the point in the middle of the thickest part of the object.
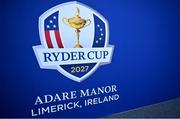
(145, 64)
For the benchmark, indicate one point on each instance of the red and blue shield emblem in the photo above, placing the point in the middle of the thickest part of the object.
(74, 40)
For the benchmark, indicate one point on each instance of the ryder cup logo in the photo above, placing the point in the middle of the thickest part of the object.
(74, 40)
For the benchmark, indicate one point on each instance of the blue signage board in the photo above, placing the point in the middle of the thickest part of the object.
(87, 58)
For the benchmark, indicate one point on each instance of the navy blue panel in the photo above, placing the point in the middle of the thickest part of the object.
(145, 64)
(51, 22)
(99, 38)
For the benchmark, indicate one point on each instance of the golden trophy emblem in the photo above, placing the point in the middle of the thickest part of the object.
(78, 23)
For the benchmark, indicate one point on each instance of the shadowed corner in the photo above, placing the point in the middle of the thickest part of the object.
(166, 109)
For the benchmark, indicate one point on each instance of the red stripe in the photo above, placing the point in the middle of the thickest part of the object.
(48, 39)
(58, 38)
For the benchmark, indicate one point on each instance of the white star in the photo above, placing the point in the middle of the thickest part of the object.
(54, 26)
(54, 17)
(102, 34)
(97, 41)
(51, 21)
(100, 38)
(47, 26)
(98, 25)
(101, 29)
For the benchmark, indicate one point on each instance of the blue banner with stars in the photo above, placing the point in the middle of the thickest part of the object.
(144, 68)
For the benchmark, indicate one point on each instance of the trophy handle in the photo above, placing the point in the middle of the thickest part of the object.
(88, 21)
(65, 21)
